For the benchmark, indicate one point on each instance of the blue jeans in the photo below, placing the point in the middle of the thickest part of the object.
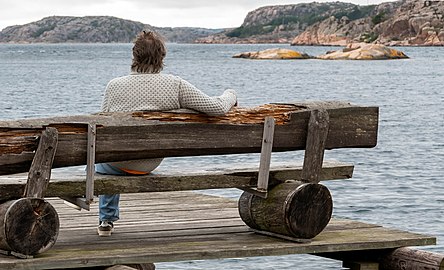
(108, 204)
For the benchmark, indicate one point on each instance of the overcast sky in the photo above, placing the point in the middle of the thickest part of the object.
(196, 13)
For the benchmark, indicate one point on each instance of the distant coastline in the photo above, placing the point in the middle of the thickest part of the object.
(399, 23)
(94, 29)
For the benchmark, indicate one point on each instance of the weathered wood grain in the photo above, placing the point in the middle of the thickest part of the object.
(69, 184)
(295, 209)
(40, 171)
(123, 136)
(29, 226)
(267, 146)
(315, 146)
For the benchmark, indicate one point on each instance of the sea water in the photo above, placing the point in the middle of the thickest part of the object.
(398, 184)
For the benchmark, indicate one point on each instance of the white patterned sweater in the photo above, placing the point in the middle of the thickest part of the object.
(159, 92)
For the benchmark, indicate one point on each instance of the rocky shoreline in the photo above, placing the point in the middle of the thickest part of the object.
(399, 23)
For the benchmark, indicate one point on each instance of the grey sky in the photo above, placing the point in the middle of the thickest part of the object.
(196, 13)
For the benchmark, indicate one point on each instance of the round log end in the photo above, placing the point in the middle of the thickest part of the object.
(31, 226)
(244, 208)
(309, 210)
(300, 210)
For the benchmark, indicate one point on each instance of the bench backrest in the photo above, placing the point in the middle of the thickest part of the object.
(123, 136)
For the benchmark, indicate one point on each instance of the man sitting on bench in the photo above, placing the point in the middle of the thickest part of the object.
(146, 89)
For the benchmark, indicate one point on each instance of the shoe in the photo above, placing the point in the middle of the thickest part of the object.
(105, 228)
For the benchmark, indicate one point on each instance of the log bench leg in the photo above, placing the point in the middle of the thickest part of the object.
(294, 209)
(30, 226)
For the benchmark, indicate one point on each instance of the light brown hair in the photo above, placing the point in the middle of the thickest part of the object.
(148, 53)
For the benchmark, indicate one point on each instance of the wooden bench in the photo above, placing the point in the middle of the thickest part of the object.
(297, 206)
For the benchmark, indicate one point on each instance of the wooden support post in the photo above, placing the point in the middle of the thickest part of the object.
(90, 167)
(40, 171)
(315, 145)
(267, 146)
(264, 165)
(85, 202)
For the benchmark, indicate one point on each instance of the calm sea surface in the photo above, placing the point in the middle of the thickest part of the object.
(398, 184)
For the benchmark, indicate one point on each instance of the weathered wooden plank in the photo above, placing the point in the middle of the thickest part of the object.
(124, 135)
(40, 171)
(132, 234)
(315, 146)
(230, 237)
(267, 146)
(120, 250)
(65, 184)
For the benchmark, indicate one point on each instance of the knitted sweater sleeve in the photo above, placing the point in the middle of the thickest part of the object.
(105, 102)
(192, 98)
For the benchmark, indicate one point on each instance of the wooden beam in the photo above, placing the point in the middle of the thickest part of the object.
(40, 172)
(315, 146)
(69, 184)
(123, 136)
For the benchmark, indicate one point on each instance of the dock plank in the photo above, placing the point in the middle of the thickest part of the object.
(167, 231)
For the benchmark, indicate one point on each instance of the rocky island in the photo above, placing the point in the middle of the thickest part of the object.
(363, 51)
(93, 29)
(353, 51)
(273, 54)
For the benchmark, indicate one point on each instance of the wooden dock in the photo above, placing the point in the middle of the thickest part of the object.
(185, 225)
